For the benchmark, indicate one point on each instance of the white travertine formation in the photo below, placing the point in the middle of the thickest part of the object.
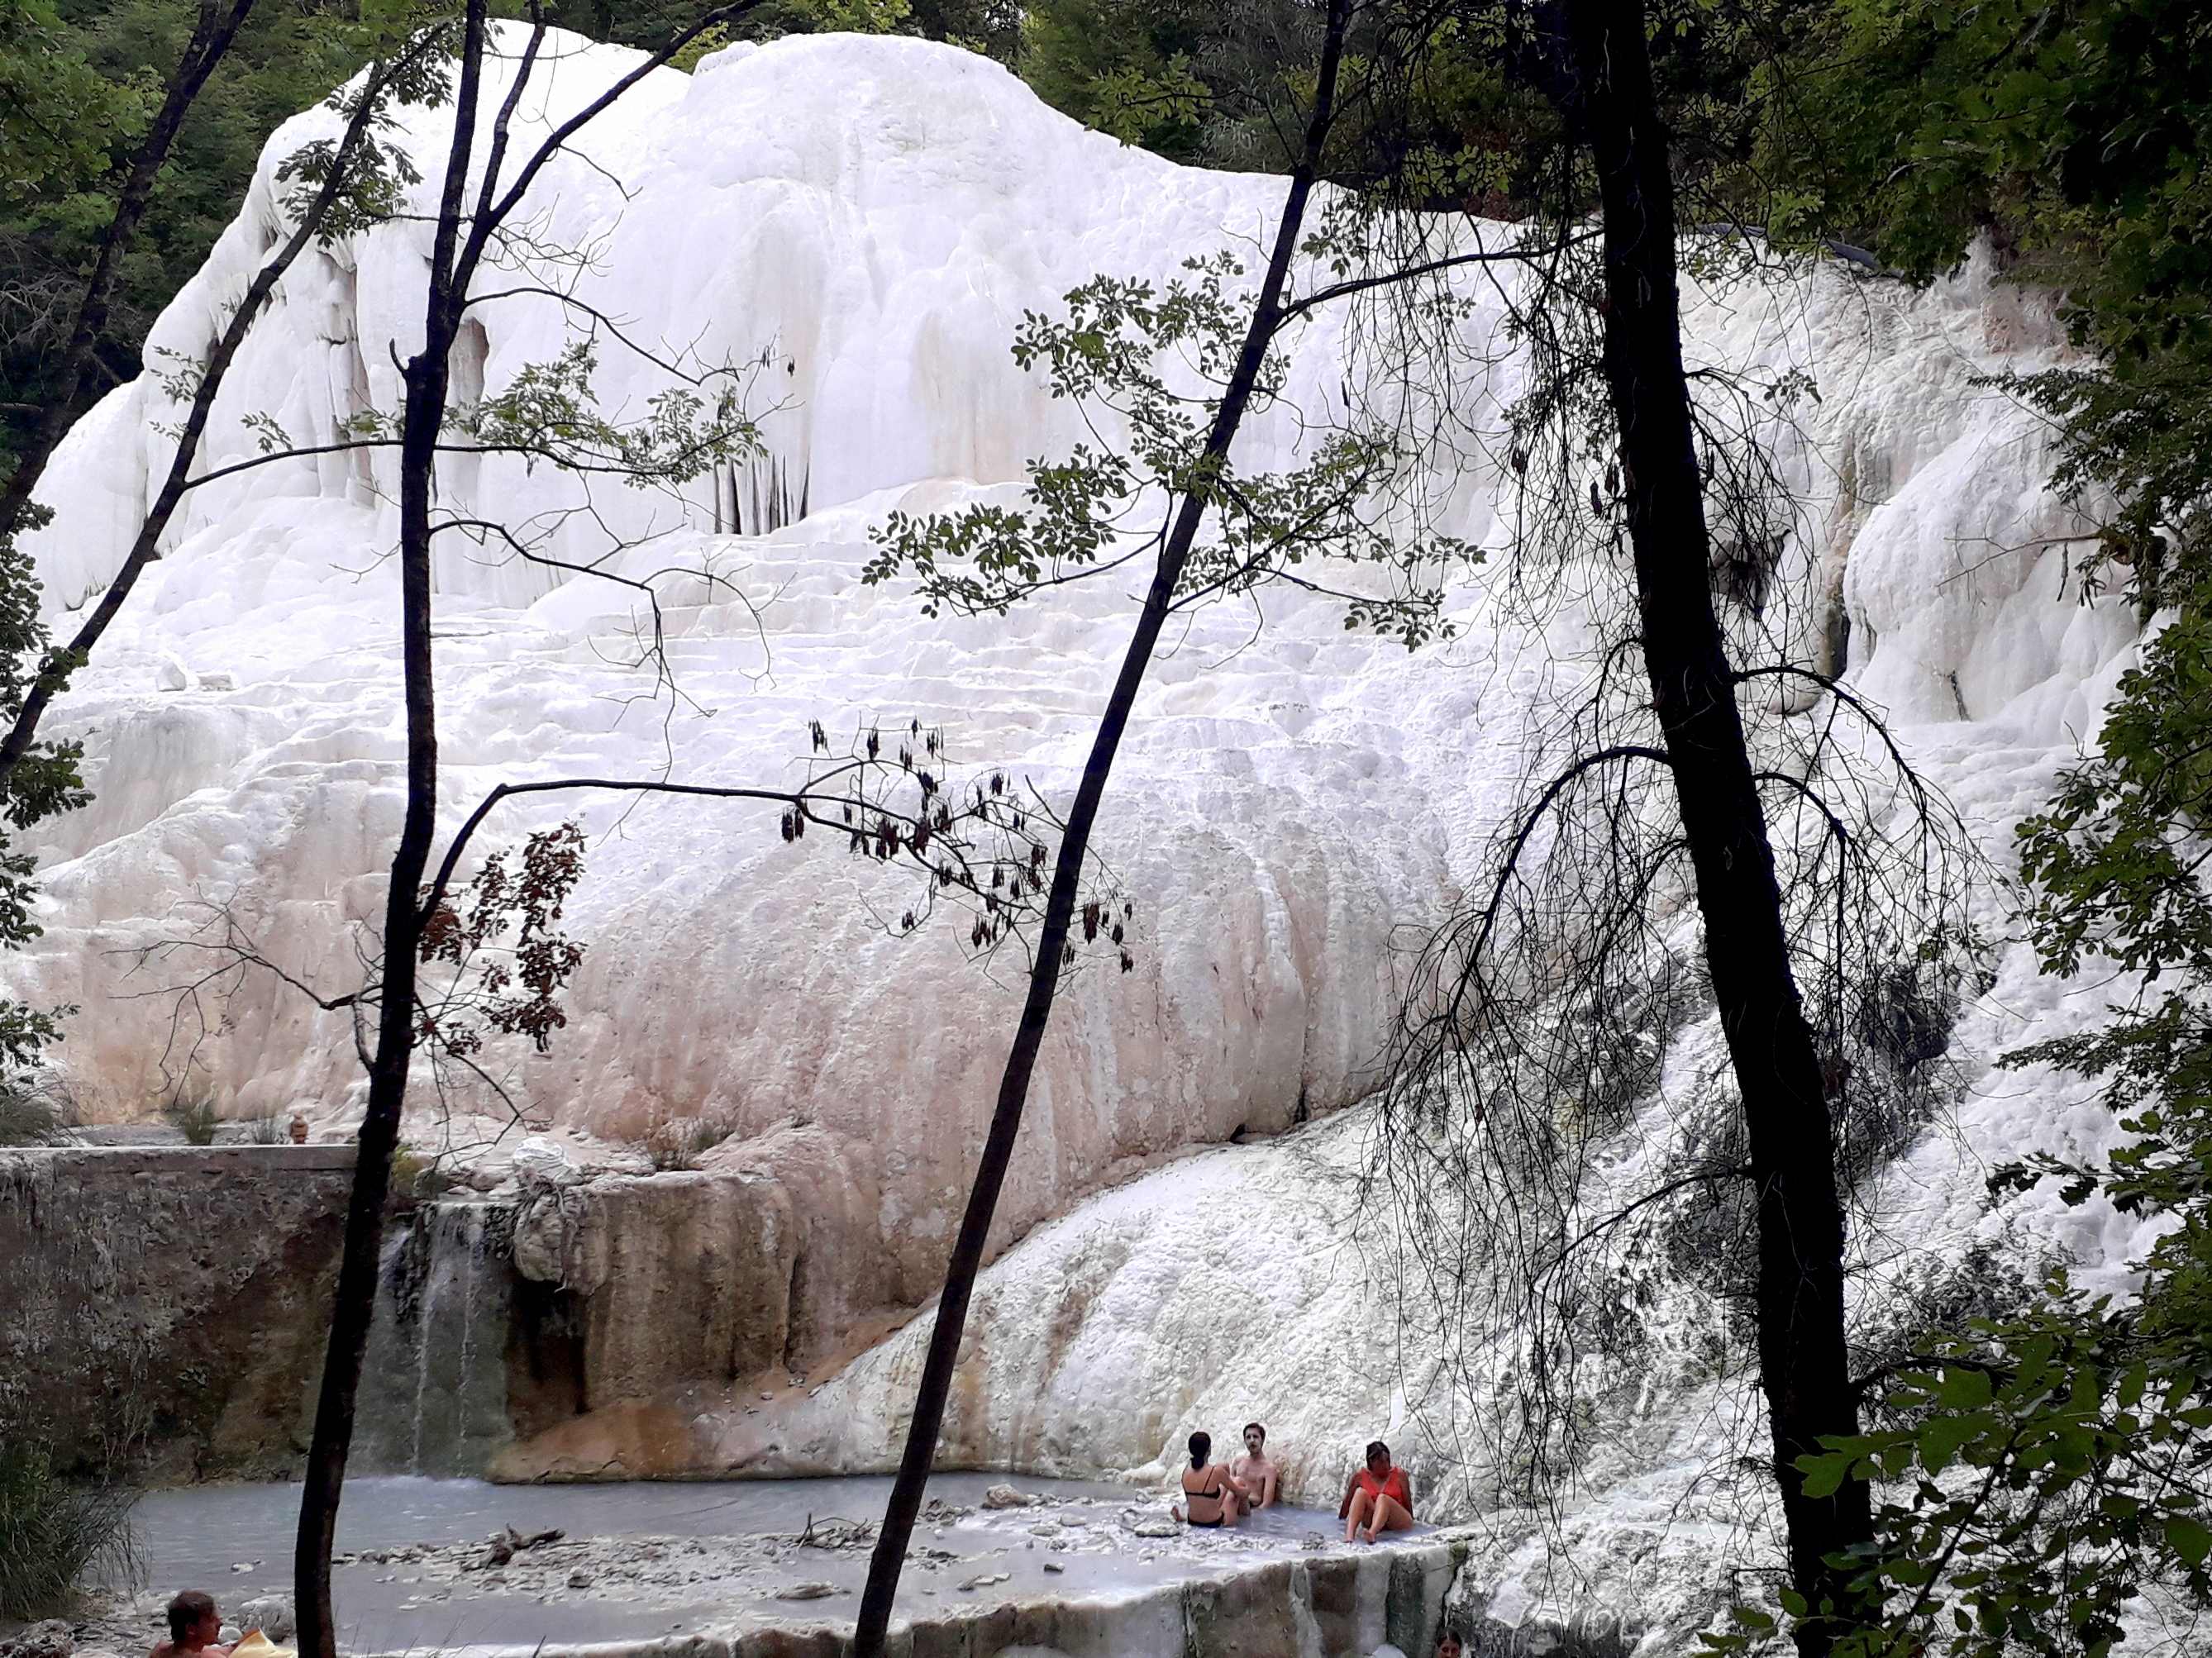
(867, 220)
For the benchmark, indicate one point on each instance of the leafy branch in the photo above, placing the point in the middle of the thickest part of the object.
(1153, 361)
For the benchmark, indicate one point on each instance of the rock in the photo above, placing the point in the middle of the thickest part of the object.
(806, 1592)
(1004, 1496)
(1054, 1565)
(547, 1219)
(985, 1583)
(272, 1614)
(1313, 1539)
(48, 1638)
(1045, 1528)
(1153, 1525)
(579, 1579)
(171, 675)
(539, 1161)
(217, 682)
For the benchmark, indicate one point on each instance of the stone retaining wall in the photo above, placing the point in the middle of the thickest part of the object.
(169, 1299)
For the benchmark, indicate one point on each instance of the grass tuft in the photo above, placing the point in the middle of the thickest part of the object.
(195, 1114)
(32, 1113)
(52, 1528)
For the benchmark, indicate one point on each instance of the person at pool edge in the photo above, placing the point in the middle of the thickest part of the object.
(1256, 1476)
(195, 1627)
(1379, 1496)
(1210, 1496)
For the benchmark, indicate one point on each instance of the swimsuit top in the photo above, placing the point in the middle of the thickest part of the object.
(1208, 1490)
(1392, 1485)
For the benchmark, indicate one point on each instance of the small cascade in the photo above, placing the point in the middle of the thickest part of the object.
(433, 1388)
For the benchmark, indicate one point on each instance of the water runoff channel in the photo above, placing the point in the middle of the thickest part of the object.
(419, 1570)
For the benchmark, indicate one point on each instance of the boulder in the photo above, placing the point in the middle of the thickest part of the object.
(272, 1614)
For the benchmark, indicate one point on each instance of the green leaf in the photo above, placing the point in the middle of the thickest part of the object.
(2188, 1537)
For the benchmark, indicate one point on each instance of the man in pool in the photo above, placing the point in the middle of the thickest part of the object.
(195, 1627)
(1252, 1470)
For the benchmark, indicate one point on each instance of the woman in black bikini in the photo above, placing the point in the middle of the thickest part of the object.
(1209, 1495)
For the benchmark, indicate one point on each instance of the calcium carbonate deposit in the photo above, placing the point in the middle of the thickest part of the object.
(865, 222)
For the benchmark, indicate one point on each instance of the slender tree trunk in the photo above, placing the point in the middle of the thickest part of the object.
(967, 1258)
(212, 39)
(454, 258)
(1802, 1356)
(54, 672)
(426, 376)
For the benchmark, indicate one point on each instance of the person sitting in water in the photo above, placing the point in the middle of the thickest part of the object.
(1256, 1476)
(1210, 1495)
(1379, 1496)
(195, 1627)
(1449, 1645)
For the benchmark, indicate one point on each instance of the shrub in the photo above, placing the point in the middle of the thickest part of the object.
(678, 1143)
(31, 1114)
(51, 1528)
(417, 1178)
(195, 1114)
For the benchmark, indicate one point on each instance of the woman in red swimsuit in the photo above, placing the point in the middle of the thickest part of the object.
(1379, 1496)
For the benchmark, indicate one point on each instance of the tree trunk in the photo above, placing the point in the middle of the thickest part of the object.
(426, 376)
(967, 1258)
(54, 672)
(1802, 1357)
(212, 39)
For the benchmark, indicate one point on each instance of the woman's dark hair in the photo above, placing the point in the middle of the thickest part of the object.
(1375, 1448)
(1201, 1446)
(185, 1612)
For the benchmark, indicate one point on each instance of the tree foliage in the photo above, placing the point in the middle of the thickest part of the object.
(1155, 361)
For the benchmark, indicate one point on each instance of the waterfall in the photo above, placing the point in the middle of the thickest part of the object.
(433, 1388)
